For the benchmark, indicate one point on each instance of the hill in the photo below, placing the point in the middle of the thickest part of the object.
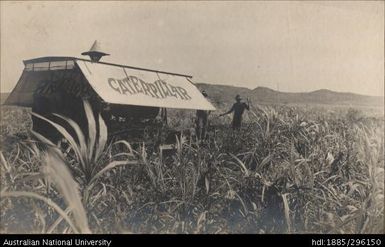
(221, 94)
(3, 97)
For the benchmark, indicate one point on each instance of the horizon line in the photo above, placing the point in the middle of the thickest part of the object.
(239, 86)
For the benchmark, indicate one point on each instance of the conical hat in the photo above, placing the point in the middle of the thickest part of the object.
(95, 49)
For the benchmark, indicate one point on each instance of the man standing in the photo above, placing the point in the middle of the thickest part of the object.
(202, 121)
(238, 109)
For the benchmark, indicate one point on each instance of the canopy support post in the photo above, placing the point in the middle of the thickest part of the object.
(163, 115)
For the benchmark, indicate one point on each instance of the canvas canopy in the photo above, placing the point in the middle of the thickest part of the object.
(121, 85)
(42, 75)
(113, 83)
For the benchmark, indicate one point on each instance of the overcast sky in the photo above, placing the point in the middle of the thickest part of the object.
(290, 46)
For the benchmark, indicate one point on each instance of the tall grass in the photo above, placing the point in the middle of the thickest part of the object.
(289, 170)
(89, 154)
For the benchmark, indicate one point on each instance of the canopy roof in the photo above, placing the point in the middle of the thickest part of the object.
(114, 83)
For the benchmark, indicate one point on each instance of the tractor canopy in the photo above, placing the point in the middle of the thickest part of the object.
(116, 84)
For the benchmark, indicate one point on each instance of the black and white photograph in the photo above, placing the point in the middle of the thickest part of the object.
(191, 117)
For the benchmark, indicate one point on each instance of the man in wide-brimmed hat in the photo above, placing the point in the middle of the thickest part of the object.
(238, 108)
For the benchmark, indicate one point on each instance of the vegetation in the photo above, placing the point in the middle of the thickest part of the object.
(289, 170)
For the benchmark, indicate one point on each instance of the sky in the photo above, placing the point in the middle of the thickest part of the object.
(284, 45)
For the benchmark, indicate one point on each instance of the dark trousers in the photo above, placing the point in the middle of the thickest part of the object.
(237, 123)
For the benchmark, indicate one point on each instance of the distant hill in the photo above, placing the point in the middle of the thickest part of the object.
(223, 95)
(3, 97)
